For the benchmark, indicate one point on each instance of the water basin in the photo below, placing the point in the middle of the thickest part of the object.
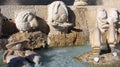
(59, 57)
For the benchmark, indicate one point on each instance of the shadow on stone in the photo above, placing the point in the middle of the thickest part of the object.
(43, 26)
(8, 27)
(77, 30)
(95, 2)
(18, 62)
(71, 19)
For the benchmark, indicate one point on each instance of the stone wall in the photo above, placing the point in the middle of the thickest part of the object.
(111, 3)
(41, 11)
(46, 2)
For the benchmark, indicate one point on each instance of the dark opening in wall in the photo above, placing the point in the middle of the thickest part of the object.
(95, 2)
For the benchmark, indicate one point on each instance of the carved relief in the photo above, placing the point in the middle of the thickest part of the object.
(16, 51)
(25, 21)
(112, 32)
(80, 2)
(58, 17)
(106, 22)
(102, 20)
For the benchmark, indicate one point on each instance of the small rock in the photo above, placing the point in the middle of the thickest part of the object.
(114, 54)
(96, 59)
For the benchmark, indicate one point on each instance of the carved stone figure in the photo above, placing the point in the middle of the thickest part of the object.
(16, 51)
(112, 33)
(113, 15)
(104, 23)
(80, 2)
(96, 41)
(10, 54)
(102, 20)
(58, 17)
(25, 21)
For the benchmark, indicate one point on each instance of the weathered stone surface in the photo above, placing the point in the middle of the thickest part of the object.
(106, 22)
(71, 39)
(80, 2)
(18, 45)
(26, 21)
(58, 18)
(35, 39)
(78, 35)
(105, 59)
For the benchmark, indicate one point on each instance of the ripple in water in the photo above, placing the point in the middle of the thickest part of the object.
(63, 57)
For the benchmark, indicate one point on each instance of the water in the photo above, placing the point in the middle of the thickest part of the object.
(63, 57)
(59, 57)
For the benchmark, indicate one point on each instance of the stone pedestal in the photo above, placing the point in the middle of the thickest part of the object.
(70, 39)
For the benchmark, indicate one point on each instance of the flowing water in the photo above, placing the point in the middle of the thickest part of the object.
(59, 57)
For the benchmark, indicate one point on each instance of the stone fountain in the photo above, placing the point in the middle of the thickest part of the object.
(24, 28)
